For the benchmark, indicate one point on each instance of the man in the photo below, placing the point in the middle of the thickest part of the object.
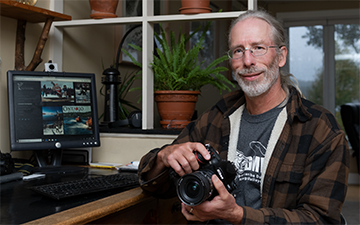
(291, 156)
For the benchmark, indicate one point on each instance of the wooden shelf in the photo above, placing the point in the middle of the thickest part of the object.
(29, 13)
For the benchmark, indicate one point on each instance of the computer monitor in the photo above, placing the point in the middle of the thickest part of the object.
(52, 111)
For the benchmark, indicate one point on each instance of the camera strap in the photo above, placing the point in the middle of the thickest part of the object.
(25, 168)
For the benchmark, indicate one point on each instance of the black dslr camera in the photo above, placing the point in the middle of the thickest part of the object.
(6, 164)
(194, 188)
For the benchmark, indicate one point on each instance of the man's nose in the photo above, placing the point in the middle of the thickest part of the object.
(248, 58)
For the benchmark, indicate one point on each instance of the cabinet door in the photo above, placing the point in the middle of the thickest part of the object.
(144, 212)
(169, 211)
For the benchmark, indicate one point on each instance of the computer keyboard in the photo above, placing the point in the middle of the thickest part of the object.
(88, 185)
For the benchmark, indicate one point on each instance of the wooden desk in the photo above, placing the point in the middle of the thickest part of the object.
(20, 205)
(129, 207)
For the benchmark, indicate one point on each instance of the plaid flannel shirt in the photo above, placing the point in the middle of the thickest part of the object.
(306, 178)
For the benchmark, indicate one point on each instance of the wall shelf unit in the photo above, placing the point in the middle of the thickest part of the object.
(147, 20)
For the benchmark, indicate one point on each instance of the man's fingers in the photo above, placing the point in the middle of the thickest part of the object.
(218, 184)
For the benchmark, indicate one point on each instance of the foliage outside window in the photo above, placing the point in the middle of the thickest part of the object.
(347, 56)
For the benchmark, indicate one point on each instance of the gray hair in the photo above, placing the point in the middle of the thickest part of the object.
(278, 33)
(278, 36)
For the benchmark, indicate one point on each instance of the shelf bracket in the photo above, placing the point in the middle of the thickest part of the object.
(20, 44)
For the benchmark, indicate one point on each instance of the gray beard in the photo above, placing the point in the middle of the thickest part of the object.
(256, 88)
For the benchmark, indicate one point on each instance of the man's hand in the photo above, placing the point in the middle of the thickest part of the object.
(223, 206)
(180, 157)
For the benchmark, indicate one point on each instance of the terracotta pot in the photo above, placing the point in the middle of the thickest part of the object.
(195, 6)
(176, 108)
(103, 8)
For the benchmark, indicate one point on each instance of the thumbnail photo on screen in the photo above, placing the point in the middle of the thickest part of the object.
(68, 120)
(57, 92)
(82, 92)
(53, 123)
(77, 120)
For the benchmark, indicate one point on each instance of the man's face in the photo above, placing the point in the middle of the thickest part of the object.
(255, 75)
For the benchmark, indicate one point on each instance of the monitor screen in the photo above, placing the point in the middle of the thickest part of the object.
(52, 110)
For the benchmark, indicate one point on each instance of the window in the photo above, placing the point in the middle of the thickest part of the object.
(207, 54)
(324, 55)
(306, 61)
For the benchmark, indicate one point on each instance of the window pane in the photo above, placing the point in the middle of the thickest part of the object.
(206, 55)
(347, 61)
(306, 60)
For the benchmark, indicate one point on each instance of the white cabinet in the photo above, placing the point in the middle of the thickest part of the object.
(147, 20)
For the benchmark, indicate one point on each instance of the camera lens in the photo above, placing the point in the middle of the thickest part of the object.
(194, 188)
(51, 66)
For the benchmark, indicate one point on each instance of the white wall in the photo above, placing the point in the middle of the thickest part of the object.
(125, 148)
(7, 55)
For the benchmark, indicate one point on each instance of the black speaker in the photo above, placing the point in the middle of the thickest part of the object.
(135, 119)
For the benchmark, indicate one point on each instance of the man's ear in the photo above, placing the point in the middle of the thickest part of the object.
(282, 57)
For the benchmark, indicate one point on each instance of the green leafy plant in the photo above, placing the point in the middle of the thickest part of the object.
(177, 69)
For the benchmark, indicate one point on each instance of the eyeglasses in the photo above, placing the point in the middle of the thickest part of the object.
(256, 50)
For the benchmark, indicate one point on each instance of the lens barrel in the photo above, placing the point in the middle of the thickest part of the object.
(194, 188)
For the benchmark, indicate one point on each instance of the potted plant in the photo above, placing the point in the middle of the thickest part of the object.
(178, 74)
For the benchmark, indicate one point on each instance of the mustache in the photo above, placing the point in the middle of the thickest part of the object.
(250, 70)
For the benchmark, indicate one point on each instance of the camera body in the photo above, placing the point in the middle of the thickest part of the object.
(51, 67)
(6, 164)
(194, 188)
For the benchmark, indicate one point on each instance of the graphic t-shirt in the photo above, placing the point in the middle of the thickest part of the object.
(254, 134)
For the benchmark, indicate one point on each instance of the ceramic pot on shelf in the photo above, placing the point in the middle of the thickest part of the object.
(176, 108)
(103, 8)
(195, 6)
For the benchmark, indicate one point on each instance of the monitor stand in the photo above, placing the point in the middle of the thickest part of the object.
(54, 167)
